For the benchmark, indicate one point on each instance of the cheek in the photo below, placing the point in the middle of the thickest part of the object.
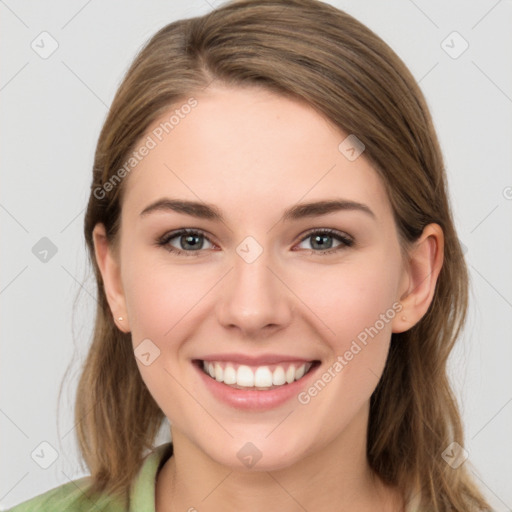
(160, 302)
(358, 308)
(158, 294)
(352, 299)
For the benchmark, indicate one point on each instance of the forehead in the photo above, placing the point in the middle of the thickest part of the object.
(248, 148)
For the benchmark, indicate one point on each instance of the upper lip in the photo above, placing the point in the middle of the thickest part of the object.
(255, 360)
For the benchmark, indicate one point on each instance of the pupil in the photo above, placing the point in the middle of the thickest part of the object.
(188, 238)
(323, 245)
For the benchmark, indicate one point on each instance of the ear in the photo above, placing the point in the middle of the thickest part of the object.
(110, 269)
(420, 277)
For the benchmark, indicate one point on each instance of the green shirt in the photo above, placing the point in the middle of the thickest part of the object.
(70, 498)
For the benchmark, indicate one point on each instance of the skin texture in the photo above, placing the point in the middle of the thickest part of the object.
(253, 154)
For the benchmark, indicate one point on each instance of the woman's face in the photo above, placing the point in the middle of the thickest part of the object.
(259, 286)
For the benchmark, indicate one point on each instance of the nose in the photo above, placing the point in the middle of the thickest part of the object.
(254, 298)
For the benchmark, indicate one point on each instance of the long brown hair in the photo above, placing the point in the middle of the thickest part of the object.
(309, 51)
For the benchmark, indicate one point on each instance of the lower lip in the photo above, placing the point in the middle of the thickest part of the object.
(253, 399)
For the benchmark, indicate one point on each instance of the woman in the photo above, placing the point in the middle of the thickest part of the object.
(278, 276)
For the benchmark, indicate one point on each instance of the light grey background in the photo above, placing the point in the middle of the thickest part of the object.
(52, 112)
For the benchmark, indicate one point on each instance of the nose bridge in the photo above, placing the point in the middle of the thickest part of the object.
(253, 297)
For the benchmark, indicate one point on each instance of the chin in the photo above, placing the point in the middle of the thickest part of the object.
(258, 454)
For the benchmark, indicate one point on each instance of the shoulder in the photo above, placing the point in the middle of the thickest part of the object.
(69, 497)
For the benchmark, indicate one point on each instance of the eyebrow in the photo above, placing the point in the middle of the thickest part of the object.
(299, 211)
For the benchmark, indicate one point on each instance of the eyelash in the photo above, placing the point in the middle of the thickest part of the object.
(344, 239)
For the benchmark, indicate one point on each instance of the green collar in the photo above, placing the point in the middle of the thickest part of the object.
(142, 494)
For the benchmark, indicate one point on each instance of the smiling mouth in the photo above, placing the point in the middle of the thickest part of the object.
(260, 378)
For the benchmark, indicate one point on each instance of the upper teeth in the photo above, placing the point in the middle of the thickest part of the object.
(260, 377)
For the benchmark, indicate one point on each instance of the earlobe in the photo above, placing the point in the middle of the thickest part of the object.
(111, 276)
(424, 265)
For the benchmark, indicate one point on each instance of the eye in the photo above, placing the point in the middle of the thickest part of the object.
(189, 241)
(322, 240)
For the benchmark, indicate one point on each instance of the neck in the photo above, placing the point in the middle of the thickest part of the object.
(335, 477)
